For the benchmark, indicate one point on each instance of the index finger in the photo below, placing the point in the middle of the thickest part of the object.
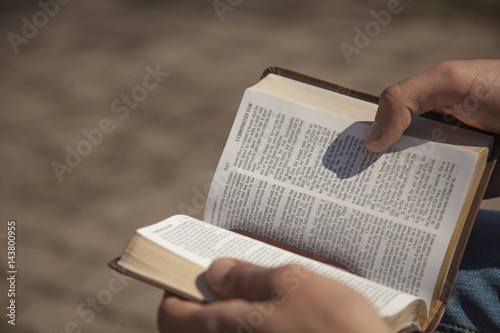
(439, 87)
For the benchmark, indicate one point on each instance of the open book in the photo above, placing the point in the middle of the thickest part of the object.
(294, 170)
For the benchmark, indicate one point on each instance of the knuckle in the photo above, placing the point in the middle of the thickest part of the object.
(395, 105)
(392, 93)
(450, 70)
(279, 274)
(279, 271)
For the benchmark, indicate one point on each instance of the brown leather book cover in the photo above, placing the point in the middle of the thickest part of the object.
(438, 308)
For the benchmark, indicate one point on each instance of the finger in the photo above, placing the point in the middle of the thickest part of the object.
(174, 312)
(439, 87)
(231, 278)
(176, 316)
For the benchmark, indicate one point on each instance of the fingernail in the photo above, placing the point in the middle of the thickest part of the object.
(218, 270)
(374, 133)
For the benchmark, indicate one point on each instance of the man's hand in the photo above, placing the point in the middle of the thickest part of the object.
(469, 90)
(287, 299)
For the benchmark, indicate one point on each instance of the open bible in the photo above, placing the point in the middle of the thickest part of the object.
(294, 170)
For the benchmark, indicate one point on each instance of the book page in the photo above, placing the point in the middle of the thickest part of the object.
(302, 176)
(202, 243)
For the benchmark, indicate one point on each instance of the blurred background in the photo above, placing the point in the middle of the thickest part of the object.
(161, 81)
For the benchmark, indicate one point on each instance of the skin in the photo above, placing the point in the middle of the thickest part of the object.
(294, 300)
(288, 299)
(469, 90)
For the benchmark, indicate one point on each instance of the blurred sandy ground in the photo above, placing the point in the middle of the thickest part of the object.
(161, 156)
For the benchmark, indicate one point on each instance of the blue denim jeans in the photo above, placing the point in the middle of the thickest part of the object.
(474, 305)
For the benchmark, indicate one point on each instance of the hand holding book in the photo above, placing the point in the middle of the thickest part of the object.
(293, 170)
(271, 300)
(468, 90)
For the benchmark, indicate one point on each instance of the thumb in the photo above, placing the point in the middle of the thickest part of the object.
(231, 278)
(438, 88)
